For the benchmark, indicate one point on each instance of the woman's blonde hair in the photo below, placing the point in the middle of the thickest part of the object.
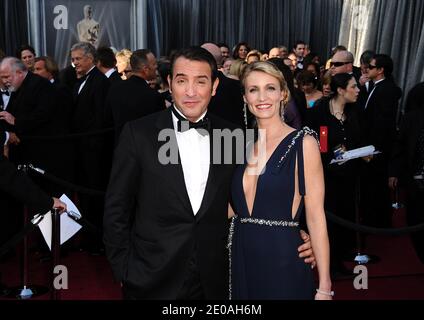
(270, 69)
(237, 68)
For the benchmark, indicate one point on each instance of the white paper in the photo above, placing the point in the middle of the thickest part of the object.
(356, 153)
(68, 227)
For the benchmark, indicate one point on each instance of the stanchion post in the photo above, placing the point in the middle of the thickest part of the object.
(55, 251)
(26, 291)
(360, 257)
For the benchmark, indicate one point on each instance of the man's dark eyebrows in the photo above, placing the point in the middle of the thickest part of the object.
(198, 77)
(203, 77)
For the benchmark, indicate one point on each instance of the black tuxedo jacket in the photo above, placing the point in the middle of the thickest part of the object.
(130, 100)
(228, 101)
(403, 158)
(115, 78)
(379, 118)
(20, 186)
(150, 231)
(40, 110)
(89, 104)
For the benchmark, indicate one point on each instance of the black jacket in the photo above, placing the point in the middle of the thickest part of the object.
(18, 185)
(378, 123)
(130, 100)
(150, 231)
(403, 159)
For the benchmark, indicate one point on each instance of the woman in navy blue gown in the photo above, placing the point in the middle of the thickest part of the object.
(282, 175)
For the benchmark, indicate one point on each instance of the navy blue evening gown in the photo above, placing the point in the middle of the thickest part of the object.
(264, 262)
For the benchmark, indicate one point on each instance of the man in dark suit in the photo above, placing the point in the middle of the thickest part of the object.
(406, 165)
(88, 116)
(33, 110)
(106, 63)
(165, 221)
(133, 98)
(378, 128)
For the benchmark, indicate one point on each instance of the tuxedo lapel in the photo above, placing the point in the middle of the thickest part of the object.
(174, 171)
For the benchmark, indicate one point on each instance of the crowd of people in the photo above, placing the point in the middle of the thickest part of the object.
(166, 229)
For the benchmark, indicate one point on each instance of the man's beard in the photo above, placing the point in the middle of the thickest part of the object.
(11, 89)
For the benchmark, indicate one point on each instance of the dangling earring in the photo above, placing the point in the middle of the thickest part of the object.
(245, 114)
(282, 107)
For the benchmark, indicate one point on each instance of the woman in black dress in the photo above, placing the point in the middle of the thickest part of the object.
(336, 120)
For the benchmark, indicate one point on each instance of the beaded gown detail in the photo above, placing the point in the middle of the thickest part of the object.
(264, 262)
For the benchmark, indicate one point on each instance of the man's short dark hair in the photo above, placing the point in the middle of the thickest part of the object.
(23, 48)
(139, 59)
(195, 54)
(297, 43)
(384, 61)
(366, 57)
(222, 44)
(106, 57)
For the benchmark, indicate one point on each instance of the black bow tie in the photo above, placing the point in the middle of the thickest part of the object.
(5, 92)
(183, 124)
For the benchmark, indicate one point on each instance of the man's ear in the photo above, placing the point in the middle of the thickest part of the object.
(215, 86)
(169, 83)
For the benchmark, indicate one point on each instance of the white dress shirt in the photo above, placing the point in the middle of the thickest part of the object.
(83, 84)
(6, 99)
(109, 72)
(194, 150)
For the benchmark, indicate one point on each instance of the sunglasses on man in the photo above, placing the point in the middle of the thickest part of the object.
(338, 64)
(370, 66)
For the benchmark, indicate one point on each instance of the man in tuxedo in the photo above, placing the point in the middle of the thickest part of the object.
(378, 128)
(133, 98)
(106, 63)
(165, 221)
(33, 110)
(365, 84)
(88, 116)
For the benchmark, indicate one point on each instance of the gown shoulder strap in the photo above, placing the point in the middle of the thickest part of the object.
(301, 170)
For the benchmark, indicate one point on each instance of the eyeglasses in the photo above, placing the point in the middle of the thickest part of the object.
(338, 64)
(370, 66)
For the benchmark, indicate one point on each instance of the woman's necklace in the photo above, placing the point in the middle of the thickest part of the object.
(338, 115)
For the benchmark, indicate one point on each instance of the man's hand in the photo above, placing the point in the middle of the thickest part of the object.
(13, 139)
(6, 116)
(368, 158)
(58, 204)
(363, 79)
(305, 250)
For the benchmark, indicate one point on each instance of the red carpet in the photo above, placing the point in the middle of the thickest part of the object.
(399, 275)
